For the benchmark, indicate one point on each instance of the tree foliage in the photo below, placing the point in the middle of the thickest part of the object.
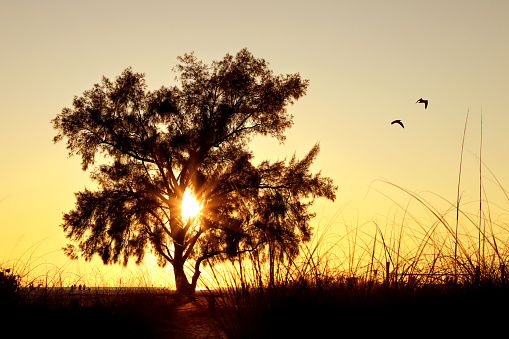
(144, 149)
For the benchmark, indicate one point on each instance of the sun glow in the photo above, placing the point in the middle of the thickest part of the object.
(190, 207)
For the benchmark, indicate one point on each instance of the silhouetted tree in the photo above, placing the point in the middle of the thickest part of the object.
(147, 148)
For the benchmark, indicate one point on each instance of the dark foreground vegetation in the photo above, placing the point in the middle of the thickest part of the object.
(72, 313)
(368, 310)
(308, 308)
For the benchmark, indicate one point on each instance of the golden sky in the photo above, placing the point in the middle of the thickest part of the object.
(367, 61)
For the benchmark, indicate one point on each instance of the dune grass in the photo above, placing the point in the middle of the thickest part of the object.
(448, 271)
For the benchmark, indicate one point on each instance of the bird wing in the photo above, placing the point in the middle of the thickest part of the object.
(397, 122)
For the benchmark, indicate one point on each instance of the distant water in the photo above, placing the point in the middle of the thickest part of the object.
(109, 290)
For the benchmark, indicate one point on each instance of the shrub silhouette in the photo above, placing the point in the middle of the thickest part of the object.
(9, 288)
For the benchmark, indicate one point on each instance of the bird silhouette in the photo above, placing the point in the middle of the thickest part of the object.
(397, 122)
(422, 101)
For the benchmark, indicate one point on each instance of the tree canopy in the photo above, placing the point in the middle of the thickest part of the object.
(144, 149)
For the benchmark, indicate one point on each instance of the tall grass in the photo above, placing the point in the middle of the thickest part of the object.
(450, 264)
(411, 271)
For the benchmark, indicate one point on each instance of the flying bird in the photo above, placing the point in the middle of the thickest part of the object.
(422, 101)
(397, 122)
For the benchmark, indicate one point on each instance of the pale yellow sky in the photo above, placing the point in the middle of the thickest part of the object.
(367, 62)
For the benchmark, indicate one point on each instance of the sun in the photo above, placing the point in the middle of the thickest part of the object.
(190, 207)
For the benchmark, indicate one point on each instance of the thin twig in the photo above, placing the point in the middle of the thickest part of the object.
(458, 202)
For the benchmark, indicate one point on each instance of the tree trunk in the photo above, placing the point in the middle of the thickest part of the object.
(177, 232)
(182, 284)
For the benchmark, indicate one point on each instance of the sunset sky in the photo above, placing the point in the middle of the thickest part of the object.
(367, 61)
